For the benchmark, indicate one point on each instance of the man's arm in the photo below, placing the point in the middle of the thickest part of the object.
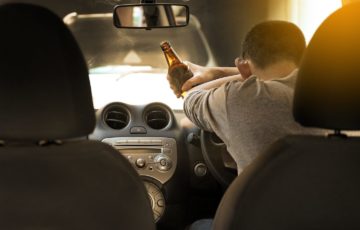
(207, 108)
(216, 83)
(193, 107)
(205, 74)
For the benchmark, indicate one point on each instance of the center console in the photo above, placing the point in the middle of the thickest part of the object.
(152, 157)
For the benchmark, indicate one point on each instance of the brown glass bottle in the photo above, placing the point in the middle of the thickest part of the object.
(178, 71)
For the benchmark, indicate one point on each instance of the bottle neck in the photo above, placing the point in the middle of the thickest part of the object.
(171, 57)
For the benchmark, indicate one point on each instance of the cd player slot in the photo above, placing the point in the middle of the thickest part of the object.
(137, 145)
(127, 142)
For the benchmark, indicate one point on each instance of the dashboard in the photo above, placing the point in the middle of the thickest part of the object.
(165, 152)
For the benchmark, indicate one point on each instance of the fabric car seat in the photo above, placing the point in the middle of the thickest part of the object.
(50, 177)
(310, 182)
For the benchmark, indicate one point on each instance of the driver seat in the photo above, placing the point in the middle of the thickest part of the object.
(310, 182)
(51, 177)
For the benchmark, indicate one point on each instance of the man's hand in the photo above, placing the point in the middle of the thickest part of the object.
(201, 75)
(177, 76)
(173, 87)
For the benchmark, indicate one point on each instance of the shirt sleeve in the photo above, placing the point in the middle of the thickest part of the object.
(207, 109)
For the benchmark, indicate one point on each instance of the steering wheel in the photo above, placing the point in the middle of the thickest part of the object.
(220, 163)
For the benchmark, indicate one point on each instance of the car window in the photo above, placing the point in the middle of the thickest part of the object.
(132, 59)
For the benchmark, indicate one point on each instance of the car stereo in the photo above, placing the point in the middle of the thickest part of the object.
(154, 157)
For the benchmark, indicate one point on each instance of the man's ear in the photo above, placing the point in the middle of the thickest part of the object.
(243, 67)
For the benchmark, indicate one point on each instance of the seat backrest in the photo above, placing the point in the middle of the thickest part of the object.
(301, 182)
(48, 180)
(310, 182)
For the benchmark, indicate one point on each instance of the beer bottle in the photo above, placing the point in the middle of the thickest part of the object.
(178, 71)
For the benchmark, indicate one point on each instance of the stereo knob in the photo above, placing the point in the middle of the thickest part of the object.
(200, 169)
(163, 162)
(140, 163)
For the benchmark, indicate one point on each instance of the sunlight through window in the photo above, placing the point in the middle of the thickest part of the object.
(309, 14)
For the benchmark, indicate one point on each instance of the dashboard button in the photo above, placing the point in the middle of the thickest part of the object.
(140, 163)
(138, 130)
(161, 203)
(163, 162)
(200, 170)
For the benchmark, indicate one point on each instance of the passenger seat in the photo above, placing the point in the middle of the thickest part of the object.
(48, 178)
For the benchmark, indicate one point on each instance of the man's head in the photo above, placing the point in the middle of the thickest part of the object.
(272, 42)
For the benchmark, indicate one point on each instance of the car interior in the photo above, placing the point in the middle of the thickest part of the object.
(92, 136)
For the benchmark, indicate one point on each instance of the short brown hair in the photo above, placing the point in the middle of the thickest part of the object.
(273, 41)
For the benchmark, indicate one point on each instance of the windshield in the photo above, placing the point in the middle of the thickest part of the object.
(128, 65)
(110, 51)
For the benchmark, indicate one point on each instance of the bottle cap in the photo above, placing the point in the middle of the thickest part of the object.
(165, 45)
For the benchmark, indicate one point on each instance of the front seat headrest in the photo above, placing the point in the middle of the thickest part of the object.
(327, 92)
(44, 84)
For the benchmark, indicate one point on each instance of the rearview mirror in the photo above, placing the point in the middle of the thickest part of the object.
(150, 16)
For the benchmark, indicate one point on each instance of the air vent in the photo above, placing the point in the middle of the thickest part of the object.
(157, 117)
(116, 117)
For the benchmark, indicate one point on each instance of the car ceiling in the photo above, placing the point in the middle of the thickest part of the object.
(213, 14)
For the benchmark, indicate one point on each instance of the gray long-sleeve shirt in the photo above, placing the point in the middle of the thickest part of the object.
(248, 116)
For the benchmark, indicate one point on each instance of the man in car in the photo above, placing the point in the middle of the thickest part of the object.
(250, 106)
